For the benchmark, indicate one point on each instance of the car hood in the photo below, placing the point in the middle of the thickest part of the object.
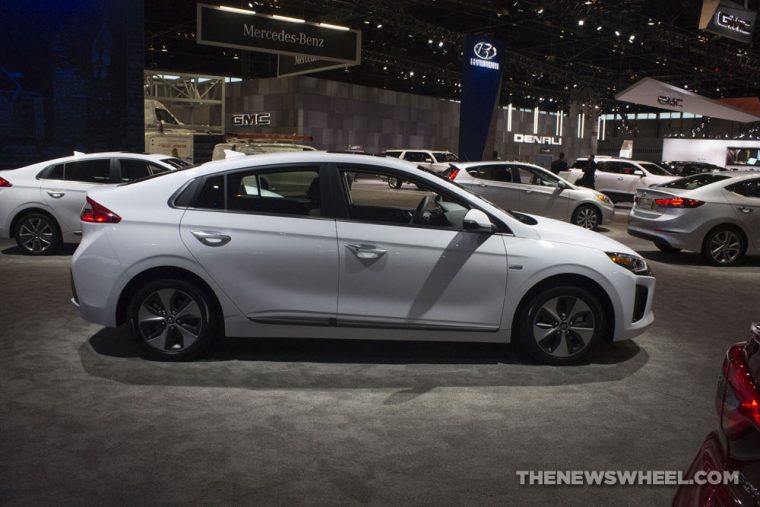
(561, 232)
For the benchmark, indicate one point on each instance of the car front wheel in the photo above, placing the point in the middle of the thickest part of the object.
(173, 320)
(37, 234)
(587, 216)
(562, 325)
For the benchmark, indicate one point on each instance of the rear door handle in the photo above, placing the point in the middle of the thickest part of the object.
(366, 251)
(55, 194)
(482, 185)
(745, 210)
(211, 238)
(528, 191)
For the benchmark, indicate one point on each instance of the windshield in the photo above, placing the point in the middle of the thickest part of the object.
(444, 156)
(165, 116)
(692, 182)
(655, 169)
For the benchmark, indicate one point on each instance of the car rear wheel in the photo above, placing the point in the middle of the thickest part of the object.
(173, 320)
(723, 246)
(562, 325)
(587, 216)
(664, 247)
(37, 234)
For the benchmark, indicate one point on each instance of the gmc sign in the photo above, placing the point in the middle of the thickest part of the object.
(251, 119)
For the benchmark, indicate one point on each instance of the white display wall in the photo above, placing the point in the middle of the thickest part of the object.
(713, 151)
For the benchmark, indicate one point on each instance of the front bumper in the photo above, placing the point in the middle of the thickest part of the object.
(637, 316)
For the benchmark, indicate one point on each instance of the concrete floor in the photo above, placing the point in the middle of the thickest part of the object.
(84, 419)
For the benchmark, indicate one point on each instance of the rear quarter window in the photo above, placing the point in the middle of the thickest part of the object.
(692, 182)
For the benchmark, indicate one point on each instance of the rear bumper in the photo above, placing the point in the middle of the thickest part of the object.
(665, 231)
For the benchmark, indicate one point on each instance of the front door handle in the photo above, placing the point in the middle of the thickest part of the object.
(482, 185)
(55, 194)
(620, 178)
(366, 251)
(745, 209)
(528, 191)
(211, 238)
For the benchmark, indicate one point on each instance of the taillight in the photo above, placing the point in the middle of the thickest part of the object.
(97, 213)
(452, 173)
(5, 183)
(678, 202)
(741, 398)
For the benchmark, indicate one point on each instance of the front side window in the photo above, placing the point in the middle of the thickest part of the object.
(749, 188)
(608, 167)
(444, 156)
(89, 171)
(492, 172)
(132, 169)
(530, 176)
(288, 192)
(425, 206)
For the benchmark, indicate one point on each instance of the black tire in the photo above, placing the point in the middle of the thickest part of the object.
(587, 216)
(724, 246)
(167, 336)
(37, 234)
(395, 183)
(564, 342)
(665, 248)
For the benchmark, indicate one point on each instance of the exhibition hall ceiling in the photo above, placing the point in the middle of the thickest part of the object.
(557, 50)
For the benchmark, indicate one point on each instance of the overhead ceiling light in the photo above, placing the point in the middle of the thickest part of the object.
(235, 9)
(581, 22)
(430, 41)
(540, 11)
(598, 28)
(617, 33)
(334, 27)
(379, 25)
(288, 18)
(440, 44)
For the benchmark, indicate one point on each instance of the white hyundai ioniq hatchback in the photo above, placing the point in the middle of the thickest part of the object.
(315, 245)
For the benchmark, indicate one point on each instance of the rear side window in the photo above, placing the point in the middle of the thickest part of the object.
(580, 164)
(750, 188)
(212, 194)
(132, 170)
(54, 172)
(292, 192)
(692, 182)
(89, 171)
(415, 156)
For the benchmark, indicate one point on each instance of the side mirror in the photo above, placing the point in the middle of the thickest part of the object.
(477, 221)
(639, 173)
(428, 160)
(561, 185)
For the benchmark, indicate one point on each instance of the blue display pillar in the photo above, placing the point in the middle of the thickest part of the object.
(481, 82)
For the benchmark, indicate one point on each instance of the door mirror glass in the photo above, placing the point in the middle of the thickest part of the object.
(476, 220)
(428, 160)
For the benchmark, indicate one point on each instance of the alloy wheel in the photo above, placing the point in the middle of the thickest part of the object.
(563, 326)
(725, 247)
(36, 234)
(170, 320)
(587, 218)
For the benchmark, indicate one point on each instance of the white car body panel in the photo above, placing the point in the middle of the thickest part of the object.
(435, 284)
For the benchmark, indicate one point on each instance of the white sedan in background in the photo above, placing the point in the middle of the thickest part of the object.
(532, 189)
(717, 214)
(620, 178)
(189, 256)
(40, 203)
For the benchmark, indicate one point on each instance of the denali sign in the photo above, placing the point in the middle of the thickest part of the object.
(318, 47)
(251, 119)
(669, 101)
(531, 139)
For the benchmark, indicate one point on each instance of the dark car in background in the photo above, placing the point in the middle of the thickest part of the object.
(687, 168)
(735, 445)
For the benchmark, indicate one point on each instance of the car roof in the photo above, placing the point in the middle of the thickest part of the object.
(418, 149)
(106, 154)
(465, 165)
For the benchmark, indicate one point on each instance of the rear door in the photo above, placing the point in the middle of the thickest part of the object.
(606, 177)
(495, 183)
(131, 169)
(264, 237)
(745, 200)
(67, 196)
(626, 179)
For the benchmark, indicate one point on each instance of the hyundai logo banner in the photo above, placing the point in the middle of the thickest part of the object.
(237, 28)
(481, 81)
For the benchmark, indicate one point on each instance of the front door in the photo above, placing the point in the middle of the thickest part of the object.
(745, 199)
(261, 234)
(540, 193)
(494, 183)
(405, 261)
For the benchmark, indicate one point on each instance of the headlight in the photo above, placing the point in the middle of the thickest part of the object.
(604, 199)
(632, 263)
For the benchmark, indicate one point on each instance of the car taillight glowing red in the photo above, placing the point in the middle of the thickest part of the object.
(678, 202)
(97, 213)
(5, 183)
(452, 173)
(741, 398)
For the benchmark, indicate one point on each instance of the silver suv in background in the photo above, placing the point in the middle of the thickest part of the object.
(435, 161)
(619, 178)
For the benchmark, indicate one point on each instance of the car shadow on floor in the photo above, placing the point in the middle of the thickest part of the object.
(352, 364)
(65, 250)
